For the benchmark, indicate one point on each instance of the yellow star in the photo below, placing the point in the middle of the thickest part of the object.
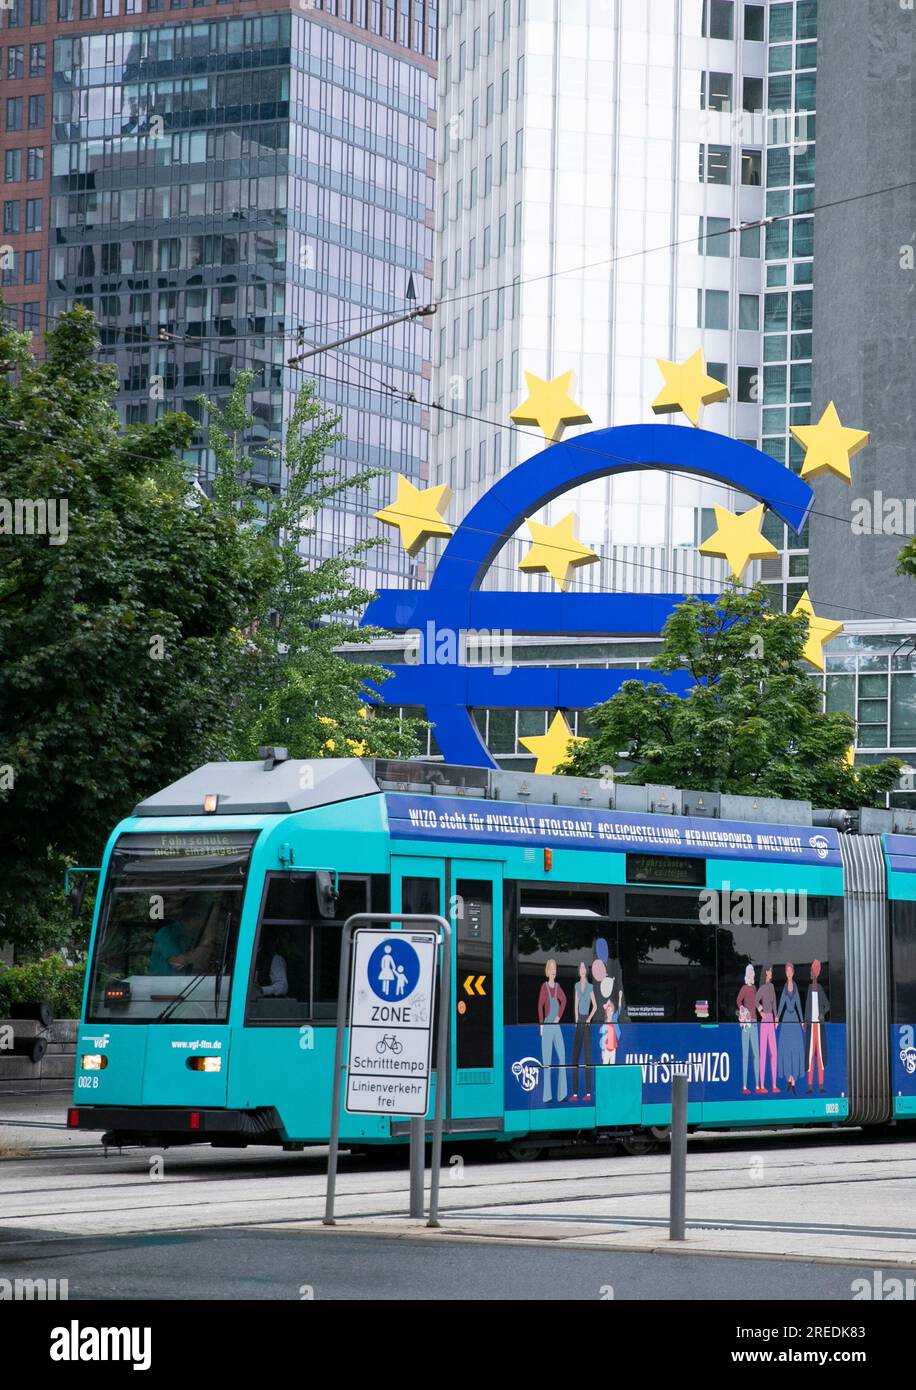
(737, 539)
(552, 748)
(557, 550)
(417, 513)
(820, 631)
(687, 387)
(829, 445)
(550, 406)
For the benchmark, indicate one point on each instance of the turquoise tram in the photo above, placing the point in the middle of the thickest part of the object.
(604, 937)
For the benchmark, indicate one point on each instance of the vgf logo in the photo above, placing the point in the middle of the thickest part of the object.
(907, 1043)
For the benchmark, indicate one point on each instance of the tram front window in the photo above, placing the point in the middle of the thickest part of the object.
(165, 949)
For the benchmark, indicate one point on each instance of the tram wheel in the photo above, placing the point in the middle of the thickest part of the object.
(637, 1145)
(524, 1153)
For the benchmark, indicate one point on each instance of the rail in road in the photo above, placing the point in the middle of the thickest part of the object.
(835, 1196)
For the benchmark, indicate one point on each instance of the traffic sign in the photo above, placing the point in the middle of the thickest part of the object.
(392, 1003)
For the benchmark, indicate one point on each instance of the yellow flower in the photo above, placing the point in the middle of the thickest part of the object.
(330, 744)
(358, 747)
(325, 719)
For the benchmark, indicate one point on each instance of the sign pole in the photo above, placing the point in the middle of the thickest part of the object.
(417, 1123)
(343, 989)
(417, 1164)
(442, 1065)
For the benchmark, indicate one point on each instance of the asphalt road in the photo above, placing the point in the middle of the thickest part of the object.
(233, 1264)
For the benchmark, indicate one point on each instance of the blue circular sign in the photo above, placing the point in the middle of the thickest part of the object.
(394, 970)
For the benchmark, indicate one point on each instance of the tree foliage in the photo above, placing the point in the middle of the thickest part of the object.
(752, 723)
(144, 645)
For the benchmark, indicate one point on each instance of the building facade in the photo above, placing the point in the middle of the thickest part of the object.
(226, 184)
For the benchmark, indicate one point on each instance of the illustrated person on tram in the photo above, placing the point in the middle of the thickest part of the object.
(791, 1035)
(817, 1007)
(747, 1021)
(586, 1007)
(766, 1008)
(551, 1007)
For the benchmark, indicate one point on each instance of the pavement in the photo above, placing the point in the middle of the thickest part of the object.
(828, 1196)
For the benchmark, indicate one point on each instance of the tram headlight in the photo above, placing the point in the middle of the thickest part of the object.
(205, 1063)
(93, 1061)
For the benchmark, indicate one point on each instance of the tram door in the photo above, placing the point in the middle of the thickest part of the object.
(475, 912)
(469, 894)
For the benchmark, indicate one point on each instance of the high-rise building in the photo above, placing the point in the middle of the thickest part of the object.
(225, 183)
(864, 329)
(593, 160)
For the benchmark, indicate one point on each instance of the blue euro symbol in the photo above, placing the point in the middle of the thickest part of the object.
(448, 690)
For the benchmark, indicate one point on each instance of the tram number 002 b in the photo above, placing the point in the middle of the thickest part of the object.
(87, 1083)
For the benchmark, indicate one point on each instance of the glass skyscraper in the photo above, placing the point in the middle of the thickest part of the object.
(228, 184)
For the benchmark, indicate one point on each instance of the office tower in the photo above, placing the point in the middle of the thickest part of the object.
(863, 360)
(626, 138)
(225, 184)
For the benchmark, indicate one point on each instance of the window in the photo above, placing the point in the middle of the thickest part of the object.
(16, 12)
(749, 312)
(38, 59)
(718, 19)
(294, 975)
(718, 370)
(32, 267)
(12, 166)
(748, 384)
(473, 927)
(30, 317)
(64, 9)
(36, 163)
(715, 164)
(14, 113)
(767, 942)
(33, 217)
(15, 61)
(751, 167)
(11, 217)
(806, 19)
(754, 23)
(781, 23)
(752, 98)
(39, 11)
(717, 238)
(712, 308)
(36, 111)
(716, 91)
(749, 242)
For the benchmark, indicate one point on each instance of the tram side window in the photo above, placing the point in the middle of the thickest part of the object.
(670, 971)
(297, 953)
(564, 926)
(903, 917)
(787, 938)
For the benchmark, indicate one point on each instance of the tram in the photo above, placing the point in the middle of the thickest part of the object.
(604, 937)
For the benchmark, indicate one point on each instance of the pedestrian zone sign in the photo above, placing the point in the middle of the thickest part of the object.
(391, 1016)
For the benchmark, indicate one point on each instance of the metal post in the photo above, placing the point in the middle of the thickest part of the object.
(343, 989)
(418, 1124)
(442, 1066)
(677, 1222)
(417, 1164)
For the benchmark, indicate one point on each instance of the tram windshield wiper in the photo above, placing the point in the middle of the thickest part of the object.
(179, 999)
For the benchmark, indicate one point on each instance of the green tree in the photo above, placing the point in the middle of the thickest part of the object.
(752, 724)
(295, 688)
(140, 645)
